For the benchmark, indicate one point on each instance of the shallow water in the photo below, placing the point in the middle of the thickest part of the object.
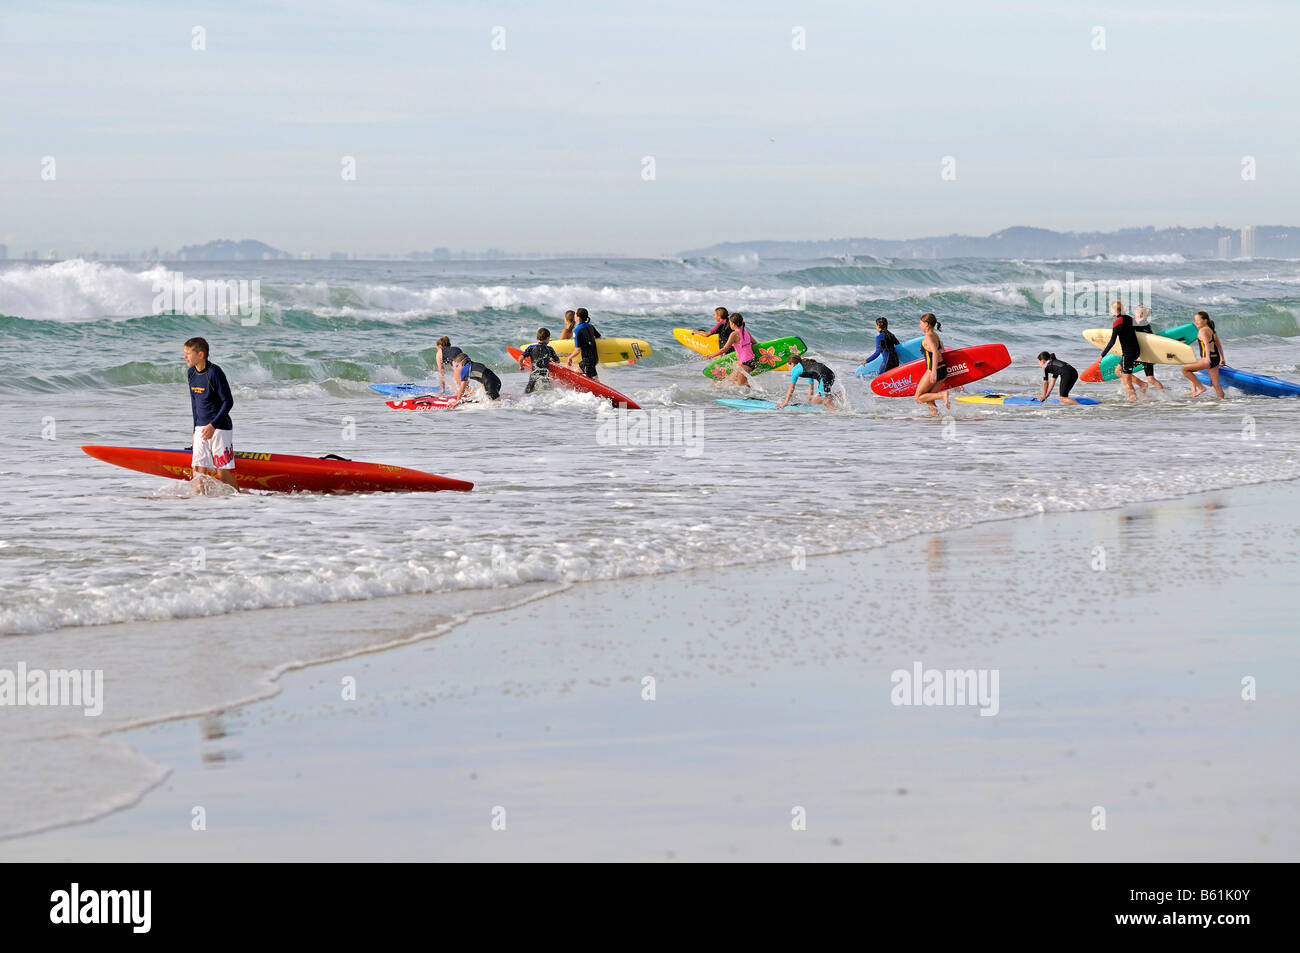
(82, 360)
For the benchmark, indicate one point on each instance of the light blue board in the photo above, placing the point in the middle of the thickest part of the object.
(406, 390)
(753, 403)
(908, 351)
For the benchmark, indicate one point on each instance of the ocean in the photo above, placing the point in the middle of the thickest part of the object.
(85, 360)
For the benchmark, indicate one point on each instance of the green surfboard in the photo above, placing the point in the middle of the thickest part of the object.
(1110, 363)
(769, 354)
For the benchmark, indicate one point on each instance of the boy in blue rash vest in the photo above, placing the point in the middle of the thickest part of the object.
(541, 355)
(820, 378)
(210, 403)
(584, 344)
(1123, 332)
(886, 344)
(464, 370)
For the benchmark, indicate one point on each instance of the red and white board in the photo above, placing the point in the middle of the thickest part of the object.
(965, 365)
(283, 472)
(427, 402)
(568, 377)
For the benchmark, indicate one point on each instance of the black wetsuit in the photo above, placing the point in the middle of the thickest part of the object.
(1066, 372)
(449, 352)
(542, 356)
(1123, 332)
(723, 330)
(814, 371)
(475, 371)
(1148, 369)
(886, 347)
(584, 339)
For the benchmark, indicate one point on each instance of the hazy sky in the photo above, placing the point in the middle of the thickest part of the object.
(540, 146)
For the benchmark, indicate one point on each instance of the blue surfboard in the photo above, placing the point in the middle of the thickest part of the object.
(406, 390)
(908, 351)
(1258, 384)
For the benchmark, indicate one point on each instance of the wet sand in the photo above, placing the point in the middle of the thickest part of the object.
(1120, 639)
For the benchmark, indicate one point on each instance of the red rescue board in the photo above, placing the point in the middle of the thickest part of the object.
(427, 402)
(965, 365)
(284, 473)
(568, 377)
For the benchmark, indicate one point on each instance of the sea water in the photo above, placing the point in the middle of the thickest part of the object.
(83, 360)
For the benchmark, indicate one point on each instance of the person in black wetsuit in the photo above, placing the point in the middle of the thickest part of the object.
(1142, 323)
(1211, 356)
(541, 355)
(1122, 331)
(584, 345)
(1057, 370)
(886, 344)
(721, 327)
(446, 354)
(464, 370)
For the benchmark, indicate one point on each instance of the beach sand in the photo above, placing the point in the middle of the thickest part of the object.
(1120, 639)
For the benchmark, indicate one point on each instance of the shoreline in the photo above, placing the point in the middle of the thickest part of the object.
(542, 615)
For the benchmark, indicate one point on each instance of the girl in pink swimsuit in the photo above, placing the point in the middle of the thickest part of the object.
(743, 342)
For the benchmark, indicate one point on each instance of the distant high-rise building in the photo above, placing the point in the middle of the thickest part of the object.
(1248, 241)
(1225, 246)
(4, 252)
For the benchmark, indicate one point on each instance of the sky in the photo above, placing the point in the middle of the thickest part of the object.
(545, 145)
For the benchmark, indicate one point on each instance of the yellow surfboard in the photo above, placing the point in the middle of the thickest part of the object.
(703, 343)
(610, 351)
(1155, 348)
(696, 341)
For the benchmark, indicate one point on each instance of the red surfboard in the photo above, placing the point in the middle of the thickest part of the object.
(965, 365)
(283, 472)
(428, 402)
(1091, 373)
(568, 377)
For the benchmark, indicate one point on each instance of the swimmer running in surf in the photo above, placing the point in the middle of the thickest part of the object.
(936, 368)
(1124, 333)
(742, 342)
(886, 345)
(1211, 356)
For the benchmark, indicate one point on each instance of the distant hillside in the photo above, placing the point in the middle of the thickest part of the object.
(1271, 241)
(226, 250)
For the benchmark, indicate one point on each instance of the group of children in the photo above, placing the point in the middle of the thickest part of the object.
(734, 336)
(211, 399)
(1055, 371)
(1124, 331)
(540, 356)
